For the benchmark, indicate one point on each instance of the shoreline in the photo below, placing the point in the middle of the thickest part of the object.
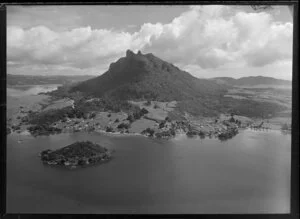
(204, 126)
(175, 137)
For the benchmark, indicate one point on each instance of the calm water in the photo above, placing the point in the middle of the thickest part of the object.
(26, 90)
(247, 174)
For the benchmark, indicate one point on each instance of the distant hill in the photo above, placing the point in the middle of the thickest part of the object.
(38, 79)
(252, 81)
(145, 76)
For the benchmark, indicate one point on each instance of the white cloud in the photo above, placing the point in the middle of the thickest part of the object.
(204, 37)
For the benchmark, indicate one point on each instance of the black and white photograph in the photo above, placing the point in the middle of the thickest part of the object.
(149, 109)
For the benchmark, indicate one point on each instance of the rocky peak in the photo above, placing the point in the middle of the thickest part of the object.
(129, 53)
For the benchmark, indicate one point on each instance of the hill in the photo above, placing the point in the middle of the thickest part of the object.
(252, 81)
(13, 80)
(139, 76)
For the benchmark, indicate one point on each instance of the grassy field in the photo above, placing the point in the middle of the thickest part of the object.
(246, 103)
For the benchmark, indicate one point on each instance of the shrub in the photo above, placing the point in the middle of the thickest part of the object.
(130, 118)
(137, 115)
(148, 103)
(231, 119)
(144, 111)
(123, 126)
(25, 119)
(148, 131)
(92, 115)
(201, 133)
(162, 124)
(91, 128)
(109, 129)
(165, 134)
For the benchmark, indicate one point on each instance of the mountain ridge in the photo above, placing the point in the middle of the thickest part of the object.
(145, 76)
(251, 80)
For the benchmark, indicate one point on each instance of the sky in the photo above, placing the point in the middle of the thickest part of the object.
(204, 40)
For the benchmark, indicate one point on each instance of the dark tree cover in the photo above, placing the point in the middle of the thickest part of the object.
(210, 107)
(165, 134)
(162, 124)
(123, 126)
(109, 129)
(130, 118)
(148, 131)
(43, 130)
(144, 111)
(168, 119)
(92, 115)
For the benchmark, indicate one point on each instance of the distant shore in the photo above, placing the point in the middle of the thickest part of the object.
(155, 119)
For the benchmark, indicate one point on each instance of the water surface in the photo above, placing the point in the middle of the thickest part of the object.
(247, 174)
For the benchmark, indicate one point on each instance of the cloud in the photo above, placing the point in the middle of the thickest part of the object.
(205, 37)
(80, 45)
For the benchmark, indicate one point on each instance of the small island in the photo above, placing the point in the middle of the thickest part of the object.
(77, 154)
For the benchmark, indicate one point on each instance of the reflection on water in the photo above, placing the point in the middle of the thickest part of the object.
(247, 174)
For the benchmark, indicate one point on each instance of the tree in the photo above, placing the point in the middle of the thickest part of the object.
(123, 126)
(137, 115)
(144, 111)
(148, 131)
(162, 124)
(148, 103)
(232, 119)
(109, 129)
(92, 115)
(130, 118)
